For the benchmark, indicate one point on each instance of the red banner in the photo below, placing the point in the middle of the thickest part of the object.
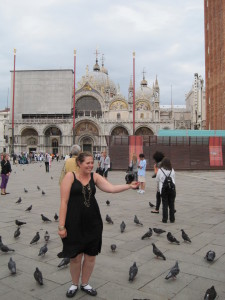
(215, 151)
(135, 146)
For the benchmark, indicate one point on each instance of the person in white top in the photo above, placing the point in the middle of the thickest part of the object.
(168, 195)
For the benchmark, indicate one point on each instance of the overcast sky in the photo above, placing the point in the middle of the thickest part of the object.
(167, 36)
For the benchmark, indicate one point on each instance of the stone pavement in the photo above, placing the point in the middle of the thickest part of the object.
(200, 212)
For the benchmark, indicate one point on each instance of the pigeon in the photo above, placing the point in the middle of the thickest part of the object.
(173, 272)
(19, 223)
(113, 247)
(210, 255)
(43, 193)
(107, 202)
(122, 227)
(64, 262)
(38, 276)
(133, 271)
(108, 219)
(17, 233)
(210, 294)
(56, 217)
(35, 239)
(158, 230)
(29, 208)
(136, 221)
(157, 252)
(45, 219)
(172, 239)
(26, 191)
(1, 243)
(38, 187)
(46, 236)
(148, 234)
(6, 249)
(19, 200)
(12, 266)
(43, 250)
(151, 205)
(185, 236)
(51, 177)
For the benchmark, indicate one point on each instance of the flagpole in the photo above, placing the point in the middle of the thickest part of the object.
(133, 93)
(74, 96)
(12, 152)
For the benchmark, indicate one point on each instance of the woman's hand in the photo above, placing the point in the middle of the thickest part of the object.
(134, 185)
(62, 233)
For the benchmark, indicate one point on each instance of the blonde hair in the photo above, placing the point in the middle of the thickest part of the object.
(134, 158)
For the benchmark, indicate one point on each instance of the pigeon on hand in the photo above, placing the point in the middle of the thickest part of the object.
(6, 249)
(29, 208)
(173, 272)
(35, 239)
(38, 187)
(19, 200)
(12, 266)
(46, 236)
(133, 271)
(210, 255)
(17, 233)
(185, 236)
(38, 276)
(107, 202)
(26, 191)
(136, 221)
(43, 193)
(172, 239)
(158, 230)
(45, 219)
(157, 252)
(108, 219)
(113, 247)
(151, 205)
(64, 262)
(56, 217)
(43, 250)
(20, 223)
(148, 234)
(122, 227)
(210, 294)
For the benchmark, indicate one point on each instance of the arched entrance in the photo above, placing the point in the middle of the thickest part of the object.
(29, 140)
(119, 131)
(86, 144)
(144, 131)
(53, 137)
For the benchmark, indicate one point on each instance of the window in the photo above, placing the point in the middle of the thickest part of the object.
(118, 116)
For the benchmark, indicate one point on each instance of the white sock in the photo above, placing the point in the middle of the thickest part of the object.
(73, 287)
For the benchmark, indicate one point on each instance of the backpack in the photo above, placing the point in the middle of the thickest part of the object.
(168, 184)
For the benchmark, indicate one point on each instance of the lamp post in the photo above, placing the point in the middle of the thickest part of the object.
(12, 152)
(133, 93)
(74, 96)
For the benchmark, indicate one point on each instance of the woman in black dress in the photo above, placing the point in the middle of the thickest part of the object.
(80, 222)
(5, 172)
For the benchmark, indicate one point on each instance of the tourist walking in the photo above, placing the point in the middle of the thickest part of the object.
(141, 173)
(80, 222)
(168, 194)
(5, 173)
(47, 162)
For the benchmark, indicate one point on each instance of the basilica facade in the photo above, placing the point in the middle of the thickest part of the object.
(43, 112)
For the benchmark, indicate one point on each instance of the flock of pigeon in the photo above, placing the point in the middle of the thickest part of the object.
(210, 294)
(43, 250)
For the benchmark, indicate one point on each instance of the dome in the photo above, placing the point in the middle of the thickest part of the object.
(144, 92)
(101, 80)
(104, 70)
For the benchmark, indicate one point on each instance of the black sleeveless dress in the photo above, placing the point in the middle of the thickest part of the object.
(83, 221)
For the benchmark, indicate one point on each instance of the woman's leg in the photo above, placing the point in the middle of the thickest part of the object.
(171, 200)
(158, 200)
(165, 208)
(75, 268)
(87, 268)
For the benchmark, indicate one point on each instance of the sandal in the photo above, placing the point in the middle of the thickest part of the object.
(72, 291)
(154, 211)
(88, 289)
(3, 194)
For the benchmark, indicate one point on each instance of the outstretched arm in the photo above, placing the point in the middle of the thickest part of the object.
(107, 187)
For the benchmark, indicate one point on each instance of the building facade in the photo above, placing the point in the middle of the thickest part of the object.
(4, 130)
(44, 110)
(214, 11)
